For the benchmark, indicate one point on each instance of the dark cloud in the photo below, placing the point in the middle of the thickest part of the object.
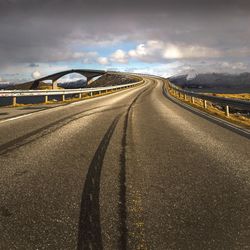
(51, 30)
(33, 65)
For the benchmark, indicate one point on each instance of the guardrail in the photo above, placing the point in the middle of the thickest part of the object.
(226, 103)
(14, 94)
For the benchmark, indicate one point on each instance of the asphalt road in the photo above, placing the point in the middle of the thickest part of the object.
(130, 170)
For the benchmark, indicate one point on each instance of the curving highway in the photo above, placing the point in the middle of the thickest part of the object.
(130, 170)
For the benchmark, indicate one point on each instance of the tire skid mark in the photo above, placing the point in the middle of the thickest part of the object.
(52, 127)
(122, 177)
(89, 232)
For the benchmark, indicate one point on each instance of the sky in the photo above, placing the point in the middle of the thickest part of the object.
(162, 37)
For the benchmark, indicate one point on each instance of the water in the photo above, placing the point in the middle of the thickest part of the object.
(6, 101)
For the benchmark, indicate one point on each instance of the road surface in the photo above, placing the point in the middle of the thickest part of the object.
(130, 170)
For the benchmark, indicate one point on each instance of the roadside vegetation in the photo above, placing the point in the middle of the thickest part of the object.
(238, 118)
(244, 96)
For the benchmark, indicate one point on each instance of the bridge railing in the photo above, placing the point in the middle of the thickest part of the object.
(15, 94)
(226, 103)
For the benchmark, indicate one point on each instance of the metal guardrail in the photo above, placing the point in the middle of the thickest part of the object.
(227, 103)
(35, 93)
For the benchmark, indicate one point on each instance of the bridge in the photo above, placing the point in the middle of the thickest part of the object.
(89, 74)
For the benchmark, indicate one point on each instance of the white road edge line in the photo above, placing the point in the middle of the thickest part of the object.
(19, 117)
(61, 106)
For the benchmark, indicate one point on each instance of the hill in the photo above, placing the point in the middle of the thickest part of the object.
(215, 82)
(112, 79)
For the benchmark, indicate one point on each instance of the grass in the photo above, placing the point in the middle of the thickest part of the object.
(244, 96)
(212, 109)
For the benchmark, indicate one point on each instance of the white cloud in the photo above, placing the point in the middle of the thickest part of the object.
(158, 51)
(172, 52)
(103, 60)
(193, 68)
(150, 51)
(196, 51)
(233, 66)
(36, 74)
(25, 73)
(119, 56)
(164, 69)
(193, 51)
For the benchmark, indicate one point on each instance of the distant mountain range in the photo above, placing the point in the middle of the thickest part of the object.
(215, 82)
(4, 85)
(73, 84)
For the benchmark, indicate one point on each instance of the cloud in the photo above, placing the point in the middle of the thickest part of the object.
(33, 65)
(62, 31)
(150, 51)
(172, 52)
(43, 34)
(68, 55)
(103, 60)
(36, 74)
(189, 67)
(157, 51)
(18, 73)
(191, 51)
(236, 66)
(163, 69)
(119, 56)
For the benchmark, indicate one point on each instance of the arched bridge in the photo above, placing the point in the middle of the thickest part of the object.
(89, 74)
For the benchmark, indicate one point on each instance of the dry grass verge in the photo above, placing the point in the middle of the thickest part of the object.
(243, 96)
(236, 118)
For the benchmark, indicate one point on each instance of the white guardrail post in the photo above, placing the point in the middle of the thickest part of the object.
(14, 101)
(204, 104)
(227, 112)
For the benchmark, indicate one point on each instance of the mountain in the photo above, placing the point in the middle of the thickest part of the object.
(73, 84)
(215, 82)
(4, 85)
(111, 79)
